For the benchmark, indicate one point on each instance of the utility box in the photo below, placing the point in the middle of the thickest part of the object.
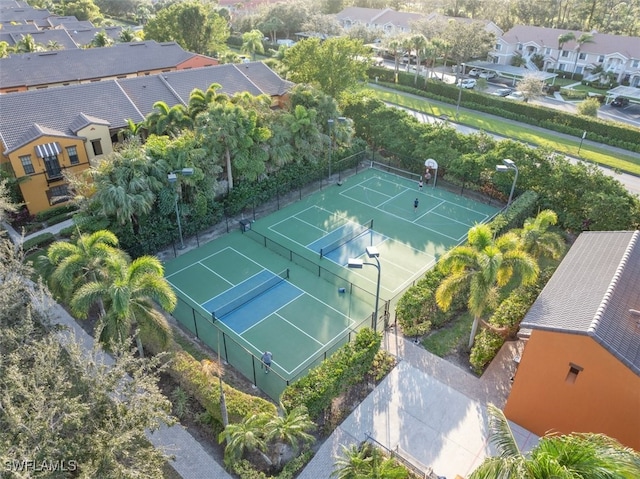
(245, 225)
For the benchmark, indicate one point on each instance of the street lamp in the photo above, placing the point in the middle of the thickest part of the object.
(509, 165)
(372, 252)
(173, 178)
(331, 122)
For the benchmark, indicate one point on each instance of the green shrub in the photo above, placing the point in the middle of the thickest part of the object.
(485, 347)
(40, 241)
(54, 220)
(328, 380)
(523, 207)
(194, 378)
(52, 212)
(67, 232)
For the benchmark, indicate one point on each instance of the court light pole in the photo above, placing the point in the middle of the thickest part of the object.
(509, 165)
(372, 252)
(331, 123)
(173, 178)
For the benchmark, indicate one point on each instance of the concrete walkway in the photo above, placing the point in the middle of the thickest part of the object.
(17, 238)
(428, 411)
(191, 461)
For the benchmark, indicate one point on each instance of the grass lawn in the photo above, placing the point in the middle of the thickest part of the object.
(517, 131)
(446, 339)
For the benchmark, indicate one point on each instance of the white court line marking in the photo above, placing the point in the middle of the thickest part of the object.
(284, 305)
(199, 261)
(296, 327)
(218, 275)
(234, 285)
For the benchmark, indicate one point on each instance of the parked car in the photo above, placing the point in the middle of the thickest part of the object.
(620, 101)
(516, 95)
(488, 75)
(503, 92)
(474, 72)
(467, 83)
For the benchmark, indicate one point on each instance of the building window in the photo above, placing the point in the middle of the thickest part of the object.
(52, 166)
(572, 375)
(498, 47)
(27, 166)
(582, 56)
(72, 151)
(58, 194)
(519, 47)
(97, 147)
(635, 63)
(600, 58)
(565, 53)
(547, 51)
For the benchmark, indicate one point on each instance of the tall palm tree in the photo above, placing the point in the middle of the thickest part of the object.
(419, 46)
(127, 35)
(581, 40)
(481, 269)
(165, 120)
(81, 262)
(572, 456)
(101, 39)
(128, 291)
(27, 44)
(199, 100)
(252, 43)
(562, 39)
(537, 240)
(366, 462)
(395, 45)
(289, 429)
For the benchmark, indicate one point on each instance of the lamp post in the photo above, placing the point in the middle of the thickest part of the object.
(372, 252)
(509, 165)
(331, 123)
(584, 135)
(173, 178)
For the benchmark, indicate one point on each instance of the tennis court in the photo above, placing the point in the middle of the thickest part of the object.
(283, 285)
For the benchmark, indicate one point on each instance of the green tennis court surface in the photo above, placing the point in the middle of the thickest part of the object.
(284, 285)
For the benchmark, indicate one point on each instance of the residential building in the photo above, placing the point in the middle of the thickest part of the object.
(46, 132)
(580, 368)
(616, 54)
(29, 71)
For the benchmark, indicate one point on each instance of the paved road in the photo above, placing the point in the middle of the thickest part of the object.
(631, 182)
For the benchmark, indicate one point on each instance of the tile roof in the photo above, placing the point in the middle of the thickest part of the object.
(115, 101)
(603, 44)
(58, 108)
(45, 36)
(45, 68)
(83, 35)
(592, 292)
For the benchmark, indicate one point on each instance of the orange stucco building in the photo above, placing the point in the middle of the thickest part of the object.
(580, 368)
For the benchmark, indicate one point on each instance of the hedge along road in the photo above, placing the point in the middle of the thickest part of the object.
(630, 181)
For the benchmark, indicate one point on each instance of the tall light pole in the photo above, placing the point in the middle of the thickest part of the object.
(331, 123)
(372, 252)
(509, 165)
(173, 178)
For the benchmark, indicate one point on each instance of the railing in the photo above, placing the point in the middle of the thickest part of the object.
(404, 458)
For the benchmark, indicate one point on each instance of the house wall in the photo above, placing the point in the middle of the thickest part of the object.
(36, 185)
(197, 61)
(604, 398)
(96, 133)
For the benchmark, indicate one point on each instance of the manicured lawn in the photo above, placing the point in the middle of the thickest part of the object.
(517, 131)
(448, 338)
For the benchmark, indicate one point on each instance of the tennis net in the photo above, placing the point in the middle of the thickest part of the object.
(350, 235)
(251, 294)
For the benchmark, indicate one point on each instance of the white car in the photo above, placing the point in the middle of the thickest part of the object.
(516, 95)
(467, 83)
(474, 73)
(488, 75)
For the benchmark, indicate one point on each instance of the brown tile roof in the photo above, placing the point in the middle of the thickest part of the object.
(593, 292)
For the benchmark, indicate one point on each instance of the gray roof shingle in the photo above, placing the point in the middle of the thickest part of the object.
(593, 292)
(46, 68)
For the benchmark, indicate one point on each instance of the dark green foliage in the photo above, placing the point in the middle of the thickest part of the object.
(327, 381)
(486, 346)
(245, 470)
(523, 207)
(47, 215)
(40, 241)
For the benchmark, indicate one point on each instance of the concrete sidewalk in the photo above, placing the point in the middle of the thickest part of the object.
(17, 238)
(429, 411)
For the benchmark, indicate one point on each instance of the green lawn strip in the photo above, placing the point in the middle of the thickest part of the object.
(446, 339)
(516, 131)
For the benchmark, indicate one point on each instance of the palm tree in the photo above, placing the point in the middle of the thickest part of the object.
(289, 429)
(101, 39)
(27, 45)
(481, 269)
(537, 240)
(252, 43)
(395, 45)
(128, 290)
(127, 35)
(245, 436)
(81, 262)
(366, 462)
(199, 101)
(419, 45)
(165, 120)
(562, 39)
(572, 456)
(53, 45)
(581, 40)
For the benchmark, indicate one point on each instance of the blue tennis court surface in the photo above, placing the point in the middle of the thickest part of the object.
(355, 248)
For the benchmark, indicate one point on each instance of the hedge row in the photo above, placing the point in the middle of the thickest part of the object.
(327, 381)
(194, 378)
(614, 134)
(245, 470)
(523, 207)
(40, 241)
(62, 210)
